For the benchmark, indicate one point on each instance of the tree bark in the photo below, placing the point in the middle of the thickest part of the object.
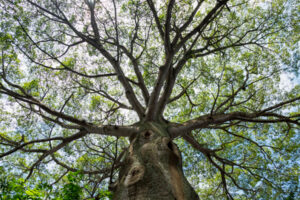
(152, 168)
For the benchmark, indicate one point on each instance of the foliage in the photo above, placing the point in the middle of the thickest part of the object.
(71, 190)
(16, 189)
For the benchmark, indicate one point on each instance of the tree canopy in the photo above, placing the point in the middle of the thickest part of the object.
(78, 77)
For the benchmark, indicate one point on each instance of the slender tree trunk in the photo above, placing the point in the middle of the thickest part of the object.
(152, 169)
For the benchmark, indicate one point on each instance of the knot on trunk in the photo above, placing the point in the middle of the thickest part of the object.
(135, 174)
(167, 142)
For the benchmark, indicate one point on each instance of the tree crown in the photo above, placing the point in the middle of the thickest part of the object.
(78, 78)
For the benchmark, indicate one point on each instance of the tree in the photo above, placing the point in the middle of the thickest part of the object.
(115, 90)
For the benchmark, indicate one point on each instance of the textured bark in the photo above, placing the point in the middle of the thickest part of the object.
(152, 169)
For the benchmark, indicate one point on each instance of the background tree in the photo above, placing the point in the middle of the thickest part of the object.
(105, 89)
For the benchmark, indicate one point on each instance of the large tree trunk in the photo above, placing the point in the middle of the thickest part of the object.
(152, 169)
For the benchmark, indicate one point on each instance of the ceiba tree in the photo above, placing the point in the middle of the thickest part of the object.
(118, 89)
